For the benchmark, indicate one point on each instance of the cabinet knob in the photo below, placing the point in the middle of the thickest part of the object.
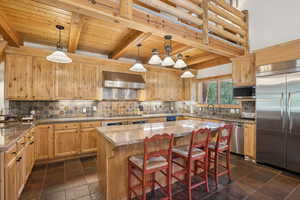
(19, 159)
(14, 153)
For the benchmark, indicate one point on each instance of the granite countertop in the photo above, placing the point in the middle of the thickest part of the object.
(11, 134)
(132, 134)
(85, 119)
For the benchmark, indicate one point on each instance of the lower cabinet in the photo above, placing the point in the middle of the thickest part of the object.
(88, 140)
(21, 171)
(44, 142)
(66, 143)
(11, 180)
(250, 140)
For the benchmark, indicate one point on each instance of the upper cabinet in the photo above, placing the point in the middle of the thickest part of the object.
(43, 79)
(163, 86)
(18, 77)
(89, 83)
(243, 70)
(67, 81)
(35, 78)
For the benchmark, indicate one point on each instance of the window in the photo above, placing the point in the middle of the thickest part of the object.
(217, 92)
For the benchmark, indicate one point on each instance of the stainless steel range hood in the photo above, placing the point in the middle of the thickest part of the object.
(123, 80)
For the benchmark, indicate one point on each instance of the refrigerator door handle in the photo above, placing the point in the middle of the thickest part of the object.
(281, 110)
(290, 120)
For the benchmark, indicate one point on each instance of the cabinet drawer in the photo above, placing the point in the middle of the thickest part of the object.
(11, 154)
(66, 126)
(89, 124)
(21, 143)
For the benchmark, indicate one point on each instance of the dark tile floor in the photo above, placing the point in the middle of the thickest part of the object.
(77, 179)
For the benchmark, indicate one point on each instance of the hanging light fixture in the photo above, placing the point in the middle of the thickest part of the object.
(168, 61)
(155, 59)
(138, 66)
(187, 73)
(59, 56)
(180, 62)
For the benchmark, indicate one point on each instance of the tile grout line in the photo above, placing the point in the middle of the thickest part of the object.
(292, 191)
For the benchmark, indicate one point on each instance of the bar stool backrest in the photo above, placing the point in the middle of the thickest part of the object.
(203, 142)
(164, 151)
(224, 135)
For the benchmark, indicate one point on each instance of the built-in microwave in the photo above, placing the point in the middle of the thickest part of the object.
(244, 92)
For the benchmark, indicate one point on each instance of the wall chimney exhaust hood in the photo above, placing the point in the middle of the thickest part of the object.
(123, 80)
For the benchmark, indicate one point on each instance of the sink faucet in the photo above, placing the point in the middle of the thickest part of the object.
(211, 107)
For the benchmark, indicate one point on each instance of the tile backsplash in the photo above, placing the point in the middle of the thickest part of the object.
(77, 108)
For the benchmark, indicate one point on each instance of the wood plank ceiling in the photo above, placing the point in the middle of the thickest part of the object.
(33, 21)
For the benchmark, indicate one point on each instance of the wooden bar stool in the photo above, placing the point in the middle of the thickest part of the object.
(221, 147)
(196, 153)
(149, 163)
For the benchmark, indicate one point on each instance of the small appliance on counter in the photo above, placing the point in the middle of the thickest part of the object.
(248, 110)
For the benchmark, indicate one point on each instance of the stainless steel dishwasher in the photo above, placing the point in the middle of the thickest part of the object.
(237, 138)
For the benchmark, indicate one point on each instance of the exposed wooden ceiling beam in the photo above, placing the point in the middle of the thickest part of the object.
(180, 49)
(200, 59)
(77, 23)
(8, 33)
(132, 39)
(146, 22)
(3, 45)
(212, 63)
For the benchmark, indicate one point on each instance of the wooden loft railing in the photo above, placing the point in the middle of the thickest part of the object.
(212, 25)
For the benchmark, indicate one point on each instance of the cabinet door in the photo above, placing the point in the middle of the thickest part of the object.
(151, 82)
(66, 143)
(67, 81)
(43, 79)
(88, 140)
(250, 140)
(11, 180)
(89, 82)
(243, 70)
(29, 154)
(18, 77)
(21, 172)
(44, 142)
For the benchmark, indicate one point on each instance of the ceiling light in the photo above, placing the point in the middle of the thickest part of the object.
(155, 59)
(138, 67)
(59, 56)
(168, 61)
(180, 62)
(187, 74)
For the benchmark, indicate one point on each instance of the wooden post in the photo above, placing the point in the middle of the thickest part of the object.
(126, 8)
(205, 21)
(246, 38)
(3, 44)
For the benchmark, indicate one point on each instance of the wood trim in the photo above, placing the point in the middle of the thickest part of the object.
(211, 63)
(126, 8)
(229, 8)
(181, 49)
(2, 175)
(189, 5)
(201, 59)
(205, 21)
(132, 39)
(215, 77)
(77, 23)
(246, 44)
(278, 53)
(3, 45)
(8, 33)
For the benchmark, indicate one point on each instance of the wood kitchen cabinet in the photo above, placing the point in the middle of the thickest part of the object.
(244, 70)
(20, 171)
(67, 140)
(190, 90)
(88, 139)
(89, 82)
(67, 81)
(11, 174)
(44, 142)
(18, 77)
(43, 79)
(250, 140)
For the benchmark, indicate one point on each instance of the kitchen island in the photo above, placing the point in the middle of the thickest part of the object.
(116, 144)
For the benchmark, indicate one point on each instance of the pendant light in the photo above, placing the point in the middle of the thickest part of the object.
(59, 56)
(155, 59)
(138, 66)
(180, 62)
(187, 73)
(168, 61)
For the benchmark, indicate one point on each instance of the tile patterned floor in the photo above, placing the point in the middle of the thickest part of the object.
(77, 180)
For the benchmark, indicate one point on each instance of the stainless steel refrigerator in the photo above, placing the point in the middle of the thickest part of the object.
(278, 114)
